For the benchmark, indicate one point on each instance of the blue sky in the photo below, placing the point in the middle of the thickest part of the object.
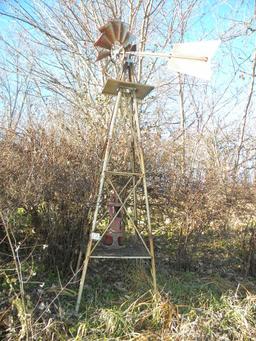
(209, 22)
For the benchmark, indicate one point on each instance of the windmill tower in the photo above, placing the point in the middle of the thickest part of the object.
(121, 226)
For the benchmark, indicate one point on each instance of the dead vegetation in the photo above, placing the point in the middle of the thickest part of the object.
(200, 162)
(48, 190)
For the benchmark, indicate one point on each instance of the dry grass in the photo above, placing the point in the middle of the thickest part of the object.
(189, 307)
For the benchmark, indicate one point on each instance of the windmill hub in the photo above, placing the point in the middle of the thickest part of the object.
(117, 53)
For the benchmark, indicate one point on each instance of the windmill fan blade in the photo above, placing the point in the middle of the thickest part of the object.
(131, 48)
(115, 37)
(117, 26)
(103, 54)
(129, 40)
(108, 29)
(103, 42)
(193, 58)
(124, 33)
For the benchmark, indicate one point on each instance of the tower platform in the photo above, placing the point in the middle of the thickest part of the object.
(112, 86)
(129, 251)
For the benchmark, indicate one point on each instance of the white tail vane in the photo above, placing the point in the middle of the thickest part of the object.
(194, 58)
(190, 58)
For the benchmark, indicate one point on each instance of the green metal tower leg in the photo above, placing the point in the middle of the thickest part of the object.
(142, 165)
(102, 179)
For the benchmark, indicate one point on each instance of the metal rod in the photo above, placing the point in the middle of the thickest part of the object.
(126, 257)
(123, 173)
(114, 217)
(166, 55)
(133, 156)
(142, 164)
(128, 215)
(102, 178)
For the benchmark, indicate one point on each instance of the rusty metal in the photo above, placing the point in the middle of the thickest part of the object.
(113, 33)
(103, 54)
(114, 237)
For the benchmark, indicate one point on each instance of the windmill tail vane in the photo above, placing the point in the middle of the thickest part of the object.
(190, 58)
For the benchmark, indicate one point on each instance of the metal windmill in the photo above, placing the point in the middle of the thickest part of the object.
(122, 190)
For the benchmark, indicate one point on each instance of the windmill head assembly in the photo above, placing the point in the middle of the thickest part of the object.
(121, 225)
(118, 44)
